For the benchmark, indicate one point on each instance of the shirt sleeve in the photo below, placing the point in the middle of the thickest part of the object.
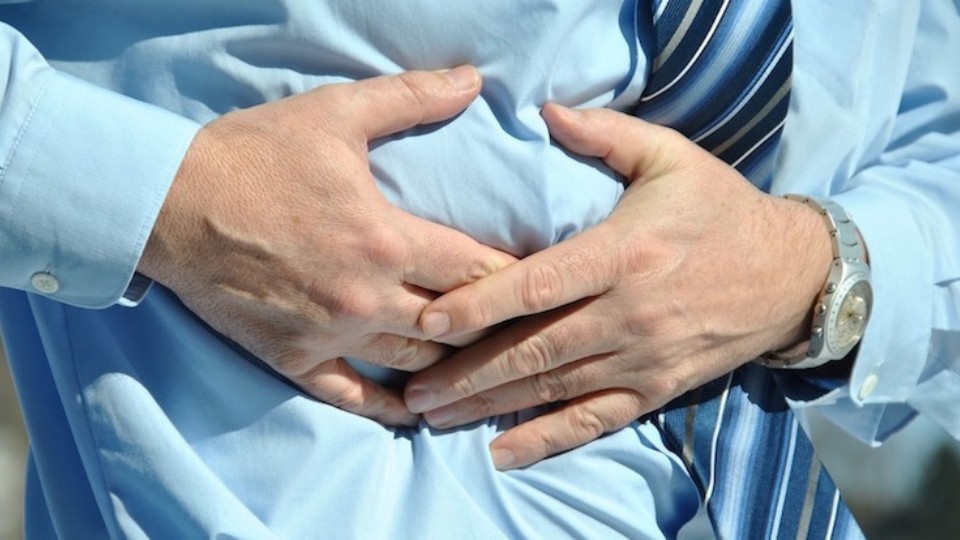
(901, 184)
(83, 174)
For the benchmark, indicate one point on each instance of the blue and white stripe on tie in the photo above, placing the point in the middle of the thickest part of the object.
(753, 464)
(721, 76)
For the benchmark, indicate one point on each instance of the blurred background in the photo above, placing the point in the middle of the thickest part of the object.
(13, 448)
(909, 489)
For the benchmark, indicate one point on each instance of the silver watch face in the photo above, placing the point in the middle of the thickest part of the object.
(852, 315)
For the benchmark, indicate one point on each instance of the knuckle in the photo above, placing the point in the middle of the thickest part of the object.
(294, 363)
(588, 422)
(354, 303)
(549, 387)
(540, 288)
(462, 387)
(384, 248)
(531, 356)
(642, 322)
(412, 88)
(549, 443)
(646, 253)
(482, 406)
(477, 269)
(665, 386)
(401, 353)
(476, 313)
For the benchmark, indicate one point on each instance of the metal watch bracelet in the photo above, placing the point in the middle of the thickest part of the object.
(848, 269)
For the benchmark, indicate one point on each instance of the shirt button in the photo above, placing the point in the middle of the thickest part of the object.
(868, 386)
(45, 283)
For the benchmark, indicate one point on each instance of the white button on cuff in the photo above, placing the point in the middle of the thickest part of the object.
(868, 386)
(45, 283)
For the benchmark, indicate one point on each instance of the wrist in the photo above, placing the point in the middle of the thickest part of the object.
(167, 251)
(806, 257)
(842, 308)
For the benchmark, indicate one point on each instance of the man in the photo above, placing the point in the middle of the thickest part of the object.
(168, 429)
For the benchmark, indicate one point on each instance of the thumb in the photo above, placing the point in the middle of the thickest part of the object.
(630, 146)
(442, 258)
(392, 103)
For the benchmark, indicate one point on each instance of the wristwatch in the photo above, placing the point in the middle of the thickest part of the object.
(843, 308)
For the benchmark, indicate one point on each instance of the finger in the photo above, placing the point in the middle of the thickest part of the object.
(576, 424)
(393, 103)
(395, 310)
(399, 315)
(465, 340)
(527, 348)
(403, 353)
(336, 383)
(564, 383)
(441, 259)
(572, 270)
(630, 146)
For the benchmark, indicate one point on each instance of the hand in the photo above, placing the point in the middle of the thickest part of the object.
(694, 273)
(275, 234)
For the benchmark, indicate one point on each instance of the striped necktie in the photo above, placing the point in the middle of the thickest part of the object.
(721, 76)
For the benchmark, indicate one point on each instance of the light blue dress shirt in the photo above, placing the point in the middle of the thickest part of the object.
(143, 422)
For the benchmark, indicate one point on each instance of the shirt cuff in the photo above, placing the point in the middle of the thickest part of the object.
(896, 341)
(82, 190)
(877, 399)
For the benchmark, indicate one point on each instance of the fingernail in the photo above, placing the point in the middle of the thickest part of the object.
(419, 400)
(463, 77)
(435, 324)
(440, 418)
(502, 459)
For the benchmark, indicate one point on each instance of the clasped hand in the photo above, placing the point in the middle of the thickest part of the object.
(275, 234)
(694, 273)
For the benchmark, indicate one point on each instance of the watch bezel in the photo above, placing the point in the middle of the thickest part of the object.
(831, 305)
(832, 314)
